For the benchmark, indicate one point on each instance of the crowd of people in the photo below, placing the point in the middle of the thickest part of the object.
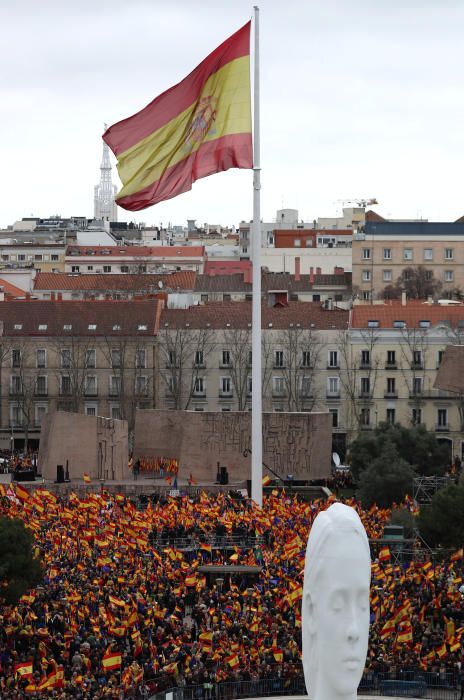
(123, 613)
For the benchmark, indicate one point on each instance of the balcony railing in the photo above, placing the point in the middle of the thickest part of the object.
(442, 427)
(333, 395)
(390, 395)
(226, 394)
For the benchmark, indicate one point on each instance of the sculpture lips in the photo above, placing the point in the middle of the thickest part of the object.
(352, 663)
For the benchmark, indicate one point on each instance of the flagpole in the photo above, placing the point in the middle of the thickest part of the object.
(256, 377)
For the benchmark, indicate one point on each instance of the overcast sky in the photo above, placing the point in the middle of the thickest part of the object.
(359, 98)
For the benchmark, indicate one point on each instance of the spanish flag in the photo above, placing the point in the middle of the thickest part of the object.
(266, 480)
(111, 660)
(457, 555)
(199, 127)
(87, 478)
(24, 669)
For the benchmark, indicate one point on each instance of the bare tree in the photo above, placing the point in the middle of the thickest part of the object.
(238, 343)
(75, 360)
(185, 352)
(25, 386)
(413, 354)
(358, 373)
(418, 282)
(267, 348)
(301, 350)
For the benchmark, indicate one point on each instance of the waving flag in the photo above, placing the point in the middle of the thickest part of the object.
(199, 127)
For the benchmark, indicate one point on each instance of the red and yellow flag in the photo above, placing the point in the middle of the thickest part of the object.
(86, 478)
(199, 127)
(111, 660)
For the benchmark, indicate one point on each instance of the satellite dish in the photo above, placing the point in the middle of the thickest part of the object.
(160, 284)
(336, 459)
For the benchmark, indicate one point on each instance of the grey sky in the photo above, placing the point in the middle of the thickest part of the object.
(359, 98)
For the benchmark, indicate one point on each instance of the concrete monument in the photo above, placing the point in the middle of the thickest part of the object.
(335, 608)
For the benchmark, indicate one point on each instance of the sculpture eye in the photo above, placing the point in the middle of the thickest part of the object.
(336, 603)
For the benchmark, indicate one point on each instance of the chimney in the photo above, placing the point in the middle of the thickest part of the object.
(28, 295)
(311, 275)
(318, 270)
(297, 270)
(403, 298)
(339, 270)
(59, 296)
(52, 296)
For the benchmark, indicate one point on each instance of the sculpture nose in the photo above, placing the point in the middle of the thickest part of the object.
(353, 627)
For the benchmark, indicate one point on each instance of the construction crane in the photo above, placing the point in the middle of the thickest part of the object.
(357, 202)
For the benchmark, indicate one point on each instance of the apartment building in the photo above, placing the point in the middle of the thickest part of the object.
(394, 351)
(133, 259)
(44, 257)
(92, 357)
(385, 248)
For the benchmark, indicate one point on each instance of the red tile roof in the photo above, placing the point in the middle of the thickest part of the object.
(412, 314)
(111, 318)
(58, 281)
(11, 289)
(176, 251)
(222, 315)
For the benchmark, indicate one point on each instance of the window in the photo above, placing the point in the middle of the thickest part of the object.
(428, 254)
(117, 327)
(333, 358)
(391, 358)
(399, 324)
(417, 358)
(40, 410)
(372, 324)
(21, 257)
(334, 413)
(387, 275)
(142, 327)
(407, 253)
(43, 326)
(18, 326)
(305, 387)
(124, 268)
(316, 297)
(90, 268)
(115, 411)
(226, 297)
(449, 253)
(65, 385)
(365, 358)
(141, 385)
(366, 253)
(41, 358)
(249, 385)
(65, 356)
(75, 268)
(306, 358)
(225, 358)
(90, 387)
(387, 254)
(199, 358)
(54, 257)
(141, 358)
(15, 384)
(365, 417)
(16, 415)
(41, 385)
(309, 243)
(424, 324)
(440, 354)
(16, 357)
(92, 327)
(417, 386)
(391, 414)
(115, 358)
(333, 386)
(204, 298)
(278, 387)
(279, 358)
(115, 386)
(391, 386)
(449, 275)
(199, 386)
(442, 418)
(366, 296)
(416, 418)
(366, 275)
(90, 359)
(90, 409)
(365, 386)
(38, 257)
(250, 358)
(106, 268)
(67, 327)
(172, 360)
(225, 386)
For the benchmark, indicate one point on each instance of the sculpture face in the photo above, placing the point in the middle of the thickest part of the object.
(336, 608)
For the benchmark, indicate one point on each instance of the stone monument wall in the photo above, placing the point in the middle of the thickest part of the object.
(293, 443)
(91, 444)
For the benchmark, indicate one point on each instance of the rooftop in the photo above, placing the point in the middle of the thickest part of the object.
(414, 314)
(80, 318)
(175, 251)
(58, 281)
(237, 315)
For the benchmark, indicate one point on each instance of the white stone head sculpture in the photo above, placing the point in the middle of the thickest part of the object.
(335, 607)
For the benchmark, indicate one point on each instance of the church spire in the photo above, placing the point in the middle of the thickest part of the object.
(104, 205)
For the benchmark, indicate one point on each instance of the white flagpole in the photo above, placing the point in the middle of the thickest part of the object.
(256, 401)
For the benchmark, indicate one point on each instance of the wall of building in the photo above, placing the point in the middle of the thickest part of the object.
(283, 259)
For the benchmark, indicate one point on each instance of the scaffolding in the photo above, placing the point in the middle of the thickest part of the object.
(425, 487)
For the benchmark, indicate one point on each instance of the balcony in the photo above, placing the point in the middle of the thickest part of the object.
(90, 392)
(417, 365)
(442, 428)
(42, 392)
(391, 365)
(199, 394)
(332, 395)
(390, 395)
(365, 395)
(365, 365)
(278, 394)
(226, 394)
(337, 366)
